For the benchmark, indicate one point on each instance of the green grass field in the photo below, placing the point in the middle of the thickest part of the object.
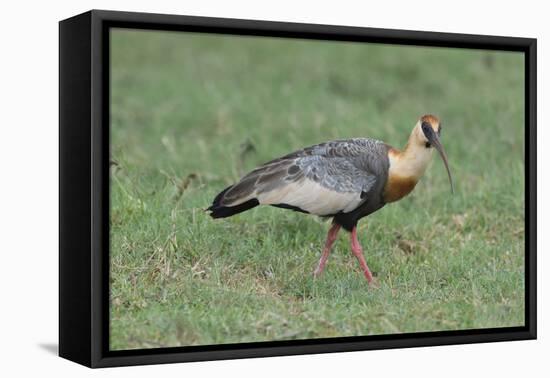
(192, 113)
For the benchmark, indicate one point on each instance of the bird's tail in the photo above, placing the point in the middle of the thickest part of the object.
(217, 210)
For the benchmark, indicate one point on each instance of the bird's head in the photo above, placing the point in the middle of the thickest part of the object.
(427, 133)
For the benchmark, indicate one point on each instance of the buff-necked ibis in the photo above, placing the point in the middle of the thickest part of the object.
(343, 179)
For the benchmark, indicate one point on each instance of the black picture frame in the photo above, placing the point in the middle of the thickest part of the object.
(84, 187)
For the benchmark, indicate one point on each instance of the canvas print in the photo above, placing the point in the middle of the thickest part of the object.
(266, 189)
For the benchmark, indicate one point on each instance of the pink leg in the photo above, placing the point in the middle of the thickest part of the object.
(331, 238)
(358, 252)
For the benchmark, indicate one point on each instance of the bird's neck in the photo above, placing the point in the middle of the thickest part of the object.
(406, 168)
(412, 161)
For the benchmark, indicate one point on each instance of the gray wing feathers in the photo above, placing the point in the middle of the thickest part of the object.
(326, 178)
(338, 174)
(264, 178)
(343, 148)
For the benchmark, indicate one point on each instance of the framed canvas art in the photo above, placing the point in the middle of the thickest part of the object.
(234, 188)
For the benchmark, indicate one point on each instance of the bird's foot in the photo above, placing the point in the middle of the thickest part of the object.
(317, 272)
(366, 270)
(358, 252)
(373, 283)
(321, 266)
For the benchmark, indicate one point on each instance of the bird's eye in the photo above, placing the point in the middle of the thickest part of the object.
(426, 128)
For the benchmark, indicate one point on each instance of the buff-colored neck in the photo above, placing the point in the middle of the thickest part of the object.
(412, 161)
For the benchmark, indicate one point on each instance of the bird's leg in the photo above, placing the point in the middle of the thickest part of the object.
(358, 252)
(331, 238)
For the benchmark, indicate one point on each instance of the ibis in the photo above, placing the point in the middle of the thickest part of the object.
(345, 180)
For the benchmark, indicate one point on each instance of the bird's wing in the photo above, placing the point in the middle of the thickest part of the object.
(347, 148)
(324, 179)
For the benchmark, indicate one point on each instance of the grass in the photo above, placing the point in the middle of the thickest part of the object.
(192, 113)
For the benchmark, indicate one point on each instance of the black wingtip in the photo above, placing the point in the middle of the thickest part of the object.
(217, 210)
(227, 211)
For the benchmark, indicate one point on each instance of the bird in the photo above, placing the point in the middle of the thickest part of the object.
(345, 180)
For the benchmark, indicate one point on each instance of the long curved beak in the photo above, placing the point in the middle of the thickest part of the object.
(434, 140)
